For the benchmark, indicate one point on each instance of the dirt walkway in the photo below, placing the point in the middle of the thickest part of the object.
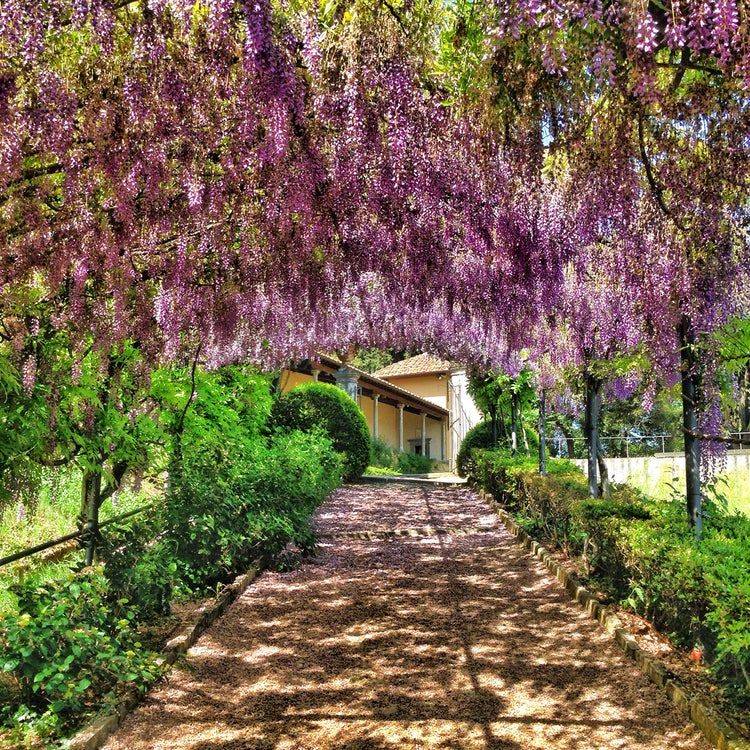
(441, 641)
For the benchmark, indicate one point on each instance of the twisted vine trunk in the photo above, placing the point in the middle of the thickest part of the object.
(603, 471)
(591, 429)
(542, 432)
(91, 500)
(745, 400)
(514, 422)
(690, 387)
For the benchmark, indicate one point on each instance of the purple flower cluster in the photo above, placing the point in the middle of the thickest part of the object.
(187, 171)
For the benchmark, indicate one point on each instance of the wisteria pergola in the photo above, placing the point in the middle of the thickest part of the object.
(564, 179)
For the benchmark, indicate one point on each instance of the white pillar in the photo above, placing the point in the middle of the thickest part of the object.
(424, 434)
(315, 374)
(401, 427)
(442, 440)
(375, 400)
(346, 379)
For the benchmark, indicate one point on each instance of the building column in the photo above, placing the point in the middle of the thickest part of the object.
(375, 424)
(316, 375)
(346, 379)
(401, 427)
(442, 440)
(424, 434)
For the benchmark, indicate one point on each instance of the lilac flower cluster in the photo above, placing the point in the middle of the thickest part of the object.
(175, 171)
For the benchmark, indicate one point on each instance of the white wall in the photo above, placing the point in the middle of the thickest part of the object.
(662, 467)
(463, 412)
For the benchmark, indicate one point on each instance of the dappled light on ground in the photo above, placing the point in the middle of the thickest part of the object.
(442, 641)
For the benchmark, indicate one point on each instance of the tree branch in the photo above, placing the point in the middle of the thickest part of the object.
(397, 16)
(183, 413)
(728, 439)
(656, 189)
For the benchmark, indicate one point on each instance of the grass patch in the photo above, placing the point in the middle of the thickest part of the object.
(733, 486)
(55, 512)
(382, 471)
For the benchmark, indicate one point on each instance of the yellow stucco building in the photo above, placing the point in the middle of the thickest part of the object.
(419, 405)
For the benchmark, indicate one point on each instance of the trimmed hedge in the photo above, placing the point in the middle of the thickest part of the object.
(479, 436)
(384, 457)
(312, 406)
(643, 554)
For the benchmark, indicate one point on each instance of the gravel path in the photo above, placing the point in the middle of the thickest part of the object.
(451, 641)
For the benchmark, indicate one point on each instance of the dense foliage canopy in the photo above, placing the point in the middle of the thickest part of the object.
(515, 183)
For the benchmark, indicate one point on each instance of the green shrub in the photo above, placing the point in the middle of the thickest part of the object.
(414, 463)
(139, 563)
(67, 647)
(643, 553)
(479, 436)
(382, 455)
(330, 409)
(225, 509)
(234, 492)
(299, 471)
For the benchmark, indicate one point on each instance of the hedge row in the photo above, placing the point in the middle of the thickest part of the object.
(239, 487)
(642, 553)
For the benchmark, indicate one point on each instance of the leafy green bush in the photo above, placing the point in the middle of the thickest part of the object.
(643, 553)
(413, 463)
(299, 471)
(328, 408)
(479, 436)
(68, 647)
(223, 511)
(381, 454)
(236, 494)
(139, 563)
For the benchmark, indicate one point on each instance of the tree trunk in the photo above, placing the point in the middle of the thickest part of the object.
(689, 377)
(543, 432)
(605, 486)
(745, 401)
(591, 429)
(502, 428)
(513, 422)
(570, 443)
(91, 488)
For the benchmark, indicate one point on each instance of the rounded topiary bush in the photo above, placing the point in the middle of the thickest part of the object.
(326, 407)
(479, 436)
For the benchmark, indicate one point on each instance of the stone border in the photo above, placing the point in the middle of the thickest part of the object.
(714, 728)
(98, 731)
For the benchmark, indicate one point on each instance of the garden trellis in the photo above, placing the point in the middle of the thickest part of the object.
(270, 182)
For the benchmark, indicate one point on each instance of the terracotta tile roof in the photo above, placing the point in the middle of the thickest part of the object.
(395, 391)
(422, 364)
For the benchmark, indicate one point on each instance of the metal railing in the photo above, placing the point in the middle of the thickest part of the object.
(80, 534)
(619, 446)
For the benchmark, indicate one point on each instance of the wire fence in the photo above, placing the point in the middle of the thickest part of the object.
(625, 446)
(81, 534)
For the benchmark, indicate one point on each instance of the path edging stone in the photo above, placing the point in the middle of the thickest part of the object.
(714, 728)
(94, 734)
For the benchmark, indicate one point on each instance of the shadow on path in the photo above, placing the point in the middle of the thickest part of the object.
(451, 642)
